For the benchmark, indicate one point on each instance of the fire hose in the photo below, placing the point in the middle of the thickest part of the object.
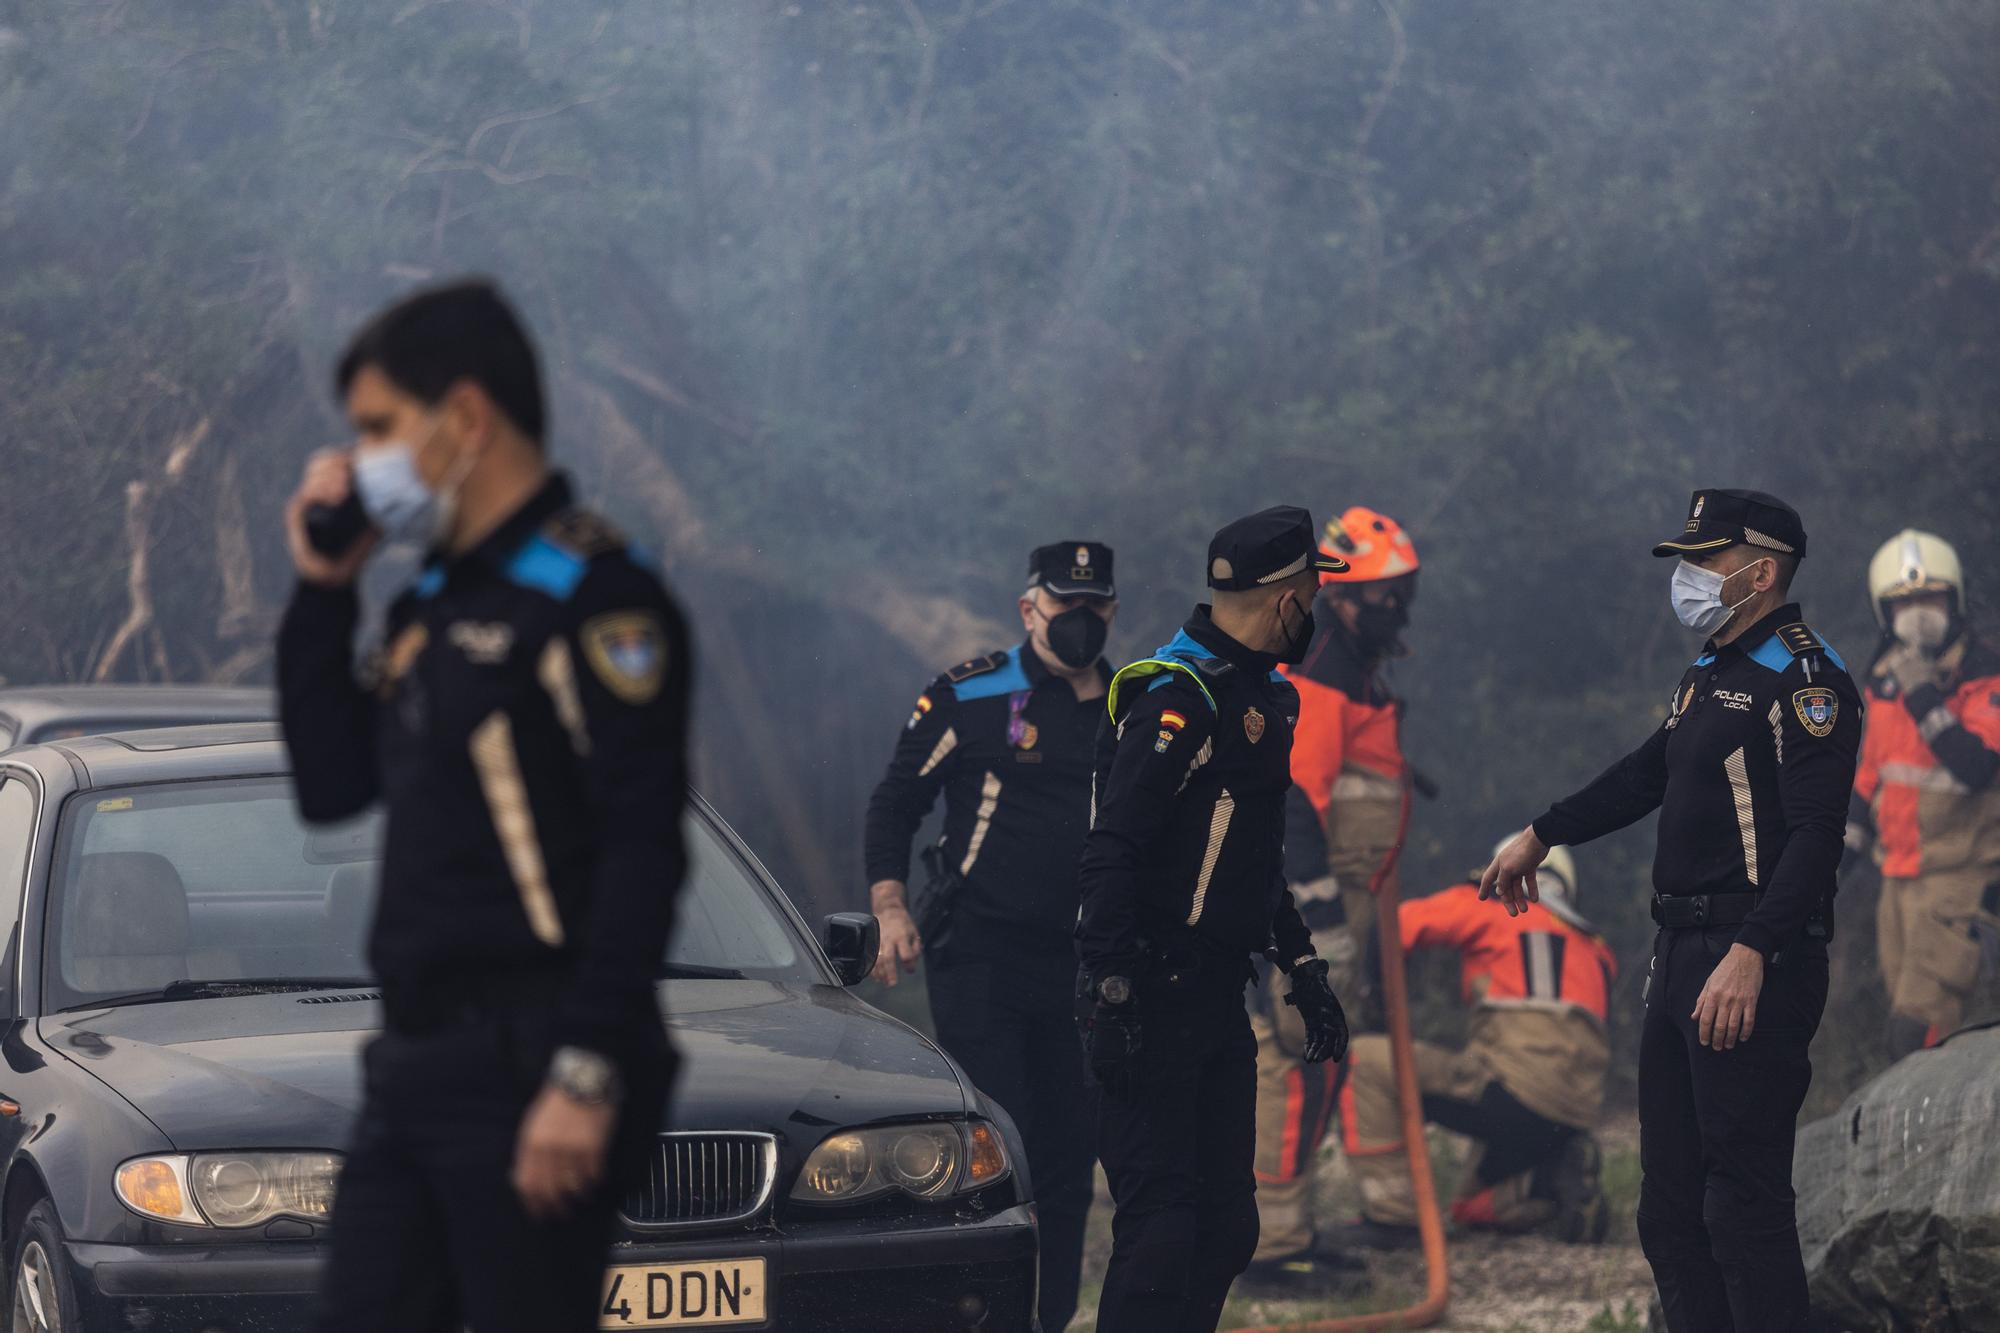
(1430, 1226)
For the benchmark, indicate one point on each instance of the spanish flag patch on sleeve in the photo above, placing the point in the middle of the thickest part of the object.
(1169, 718)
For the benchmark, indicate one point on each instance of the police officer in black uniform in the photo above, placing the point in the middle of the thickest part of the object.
(1183, 881)
(524, 725)
(1008, 739)
(1750, 772)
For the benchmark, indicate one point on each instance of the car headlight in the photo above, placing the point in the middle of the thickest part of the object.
(238, 1189)
(927, 1161)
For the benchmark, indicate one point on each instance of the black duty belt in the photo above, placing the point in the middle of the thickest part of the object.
(1692, 911)
(1189, 959)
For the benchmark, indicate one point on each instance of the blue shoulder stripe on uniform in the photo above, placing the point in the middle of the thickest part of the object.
(1773, 654)
(1003, 680)
(1704, 659)
(1183, 646)
(546, 567)
(429, 583)
(1831, 655)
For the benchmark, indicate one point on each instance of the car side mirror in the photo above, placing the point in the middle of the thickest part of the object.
(852, 941)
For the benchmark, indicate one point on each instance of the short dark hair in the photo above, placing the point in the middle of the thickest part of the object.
(1788, 569)
(432, 339)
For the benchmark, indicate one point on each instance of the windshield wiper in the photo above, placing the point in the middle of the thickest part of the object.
(699, 972)
(204, 990)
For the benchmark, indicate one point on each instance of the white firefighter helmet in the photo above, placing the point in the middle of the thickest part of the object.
(1913, 561)
(1555, 880)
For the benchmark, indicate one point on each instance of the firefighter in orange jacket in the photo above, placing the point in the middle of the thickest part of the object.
(1926, 788)
(1343, 833)
(1529, 1084)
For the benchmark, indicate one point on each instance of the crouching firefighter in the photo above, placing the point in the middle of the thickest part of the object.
(1527, 1088)
(1182, 881)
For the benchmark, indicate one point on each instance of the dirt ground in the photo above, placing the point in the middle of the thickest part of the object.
(1499, 1284)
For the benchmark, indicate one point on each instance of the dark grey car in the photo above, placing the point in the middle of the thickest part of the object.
(32, 713)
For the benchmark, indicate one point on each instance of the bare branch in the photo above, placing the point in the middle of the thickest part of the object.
(492, 123)
(654, 387)
(926, 64)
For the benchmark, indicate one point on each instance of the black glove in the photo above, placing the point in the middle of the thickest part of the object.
(1326, 1025)
(1111, 1045)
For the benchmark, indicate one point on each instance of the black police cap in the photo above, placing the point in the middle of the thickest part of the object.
(1719, 518)
(1072, 569)
(1265, 547)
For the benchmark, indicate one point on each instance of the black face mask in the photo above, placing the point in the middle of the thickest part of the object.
(1380, 628)
(1299, 640)
(1076, 636)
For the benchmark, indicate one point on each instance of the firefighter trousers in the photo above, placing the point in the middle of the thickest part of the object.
(1929, 953)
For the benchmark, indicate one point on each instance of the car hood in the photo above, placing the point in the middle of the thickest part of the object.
(284, 1071)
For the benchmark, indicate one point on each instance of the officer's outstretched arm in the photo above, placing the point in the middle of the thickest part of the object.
(329, 720)
(1622, 794)
(1816, 759)
(1164, 736)
(628, 716)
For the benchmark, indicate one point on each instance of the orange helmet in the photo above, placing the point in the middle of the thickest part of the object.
(1373, 545)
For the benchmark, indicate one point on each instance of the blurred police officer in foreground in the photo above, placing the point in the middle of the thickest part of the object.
(523, 724)
(1928, 789)
(1183, 880)
(1008, 738)
(1750, 773)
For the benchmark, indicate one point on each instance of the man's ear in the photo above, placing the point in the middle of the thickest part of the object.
(473, 415)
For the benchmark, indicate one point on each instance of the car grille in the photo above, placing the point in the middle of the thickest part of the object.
(694, 1180)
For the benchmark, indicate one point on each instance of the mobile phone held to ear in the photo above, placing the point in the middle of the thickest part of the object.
(332, 530)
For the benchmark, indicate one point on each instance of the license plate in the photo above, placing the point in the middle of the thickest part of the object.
(710, 1294)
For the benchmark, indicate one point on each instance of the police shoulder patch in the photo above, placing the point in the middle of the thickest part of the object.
(1818, 709)
(627, 650)
(978, 666)
(585, 533)
(1799, 640)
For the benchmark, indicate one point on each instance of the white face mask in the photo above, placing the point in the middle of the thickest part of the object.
(1697, 596)
(393, 493)
(1922, 627)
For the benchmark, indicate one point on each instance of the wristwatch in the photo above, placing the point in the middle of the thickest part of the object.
(585, 1076)
(1115, 990)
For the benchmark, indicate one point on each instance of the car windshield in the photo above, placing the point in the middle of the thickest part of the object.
(220, 881)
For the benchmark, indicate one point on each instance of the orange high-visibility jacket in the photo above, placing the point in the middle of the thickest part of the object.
(1927, 769)
(1347, 748)
(1540, 988)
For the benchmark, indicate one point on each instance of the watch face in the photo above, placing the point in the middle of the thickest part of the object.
(1115, 990)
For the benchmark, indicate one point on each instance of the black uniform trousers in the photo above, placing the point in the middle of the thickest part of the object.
(428, 1233)
(1716, 1128)
(1179, 1156)
(1011, 1024)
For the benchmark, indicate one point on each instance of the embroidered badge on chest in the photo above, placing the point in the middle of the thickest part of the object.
(484, 643)
(1253, 725)
(1818, 708)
